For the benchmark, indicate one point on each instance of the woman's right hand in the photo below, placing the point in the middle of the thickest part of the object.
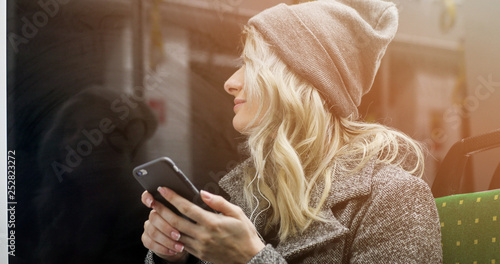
(159, 236)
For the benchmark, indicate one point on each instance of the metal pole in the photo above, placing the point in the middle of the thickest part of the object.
(138, 48)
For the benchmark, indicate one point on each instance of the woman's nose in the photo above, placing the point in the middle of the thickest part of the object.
(236, 82)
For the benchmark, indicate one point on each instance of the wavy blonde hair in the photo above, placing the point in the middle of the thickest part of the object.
(297, 145)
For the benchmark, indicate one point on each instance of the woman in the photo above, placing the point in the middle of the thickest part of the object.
(319, 186)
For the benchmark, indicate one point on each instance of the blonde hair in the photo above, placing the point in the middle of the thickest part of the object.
(298, 145)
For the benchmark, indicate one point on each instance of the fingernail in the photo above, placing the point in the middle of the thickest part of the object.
(175, 235)
(172, 252)
(149, 202)
(161, 190)
(179, 247)
(206, 195)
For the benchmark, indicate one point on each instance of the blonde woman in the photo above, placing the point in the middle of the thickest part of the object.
(319, 186)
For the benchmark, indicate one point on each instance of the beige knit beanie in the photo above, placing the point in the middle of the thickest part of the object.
(336, 45)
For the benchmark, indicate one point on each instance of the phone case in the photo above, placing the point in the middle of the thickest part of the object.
(163, 172)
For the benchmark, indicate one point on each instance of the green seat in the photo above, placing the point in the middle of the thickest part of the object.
(470, 227)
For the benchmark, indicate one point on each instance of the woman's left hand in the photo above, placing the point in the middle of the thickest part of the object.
(229, 237)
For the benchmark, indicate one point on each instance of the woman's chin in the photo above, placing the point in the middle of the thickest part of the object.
(237, 125)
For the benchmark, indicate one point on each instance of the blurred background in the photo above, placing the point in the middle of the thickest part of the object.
(98, 87)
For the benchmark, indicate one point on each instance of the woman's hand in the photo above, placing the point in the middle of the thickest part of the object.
(160, 237)
(228, 237)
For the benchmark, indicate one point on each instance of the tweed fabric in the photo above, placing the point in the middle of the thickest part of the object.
(337, 45)
(379, 215)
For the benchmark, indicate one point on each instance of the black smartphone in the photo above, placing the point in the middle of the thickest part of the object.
(163, 172)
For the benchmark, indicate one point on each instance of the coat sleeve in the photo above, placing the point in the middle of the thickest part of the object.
(267, 255)
(401, 223)
(151, 258)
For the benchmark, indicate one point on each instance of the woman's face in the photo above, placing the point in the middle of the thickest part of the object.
(244, 112)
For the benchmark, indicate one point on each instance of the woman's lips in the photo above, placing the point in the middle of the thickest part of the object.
(238, 103)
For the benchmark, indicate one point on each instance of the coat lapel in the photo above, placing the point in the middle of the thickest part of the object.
(319, 233)
(348, 186)
(345, 187)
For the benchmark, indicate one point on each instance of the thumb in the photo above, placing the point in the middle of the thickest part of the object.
(219, 204)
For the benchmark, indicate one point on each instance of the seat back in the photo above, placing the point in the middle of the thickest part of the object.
(448, 179)
(470, 227)
(495, 180)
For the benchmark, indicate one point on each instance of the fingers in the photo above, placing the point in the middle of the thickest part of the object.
(147, 199)
(159, 236)
(175, 221)
(184, 206)
(219, 204)
(156, 247)
(192, 245)
(161, 228)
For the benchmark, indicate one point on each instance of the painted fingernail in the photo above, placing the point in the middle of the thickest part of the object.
(179, 247)
(175, 235)
(149, 201)
(206, 195)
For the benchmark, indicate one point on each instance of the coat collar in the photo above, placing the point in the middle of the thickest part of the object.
(344, 187)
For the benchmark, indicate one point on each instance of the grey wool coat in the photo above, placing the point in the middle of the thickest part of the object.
(381, 214)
